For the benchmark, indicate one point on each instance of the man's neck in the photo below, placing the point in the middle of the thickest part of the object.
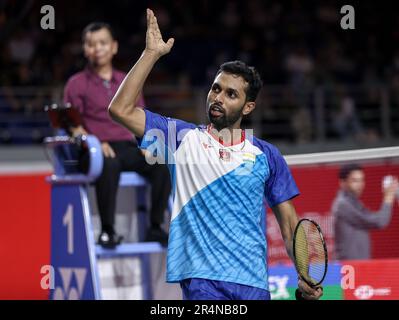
(104, 72)
(350, 193)
(228, 135)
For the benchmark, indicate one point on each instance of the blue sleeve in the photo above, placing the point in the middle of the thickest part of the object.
(162, 135)
(280, 185)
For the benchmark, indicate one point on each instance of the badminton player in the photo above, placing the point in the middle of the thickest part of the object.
(220, 176)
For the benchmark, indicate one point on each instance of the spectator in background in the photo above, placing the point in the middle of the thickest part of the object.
(346, 122)
(302, 126)
(296, 44)
(91, 91)
(22, 46)
(300, 67)
(352, 220)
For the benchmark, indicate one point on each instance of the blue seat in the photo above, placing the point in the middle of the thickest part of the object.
(131, 179)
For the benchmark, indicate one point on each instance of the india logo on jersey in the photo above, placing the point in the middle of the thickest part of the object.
(248, 157)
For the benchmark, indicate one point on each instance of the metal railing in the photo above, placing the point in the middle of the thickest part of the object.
(283, 113)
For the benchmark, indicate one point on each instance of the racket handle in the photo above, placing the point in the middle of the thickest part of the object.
(298, 295)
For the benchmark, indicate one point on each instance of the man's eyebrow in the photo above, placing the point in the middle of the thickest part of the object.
(232, 90)
(227, 89)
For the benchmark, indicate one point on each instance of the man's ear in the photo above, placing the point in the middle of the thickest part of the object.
(248, 107)
(115, 47)
(84, 51)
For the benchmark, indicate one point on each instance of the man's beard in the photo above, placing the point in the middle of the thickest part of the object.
(224, 121)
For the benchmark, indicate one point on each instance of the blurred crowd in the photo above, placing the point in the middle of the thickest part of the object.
(295, 44)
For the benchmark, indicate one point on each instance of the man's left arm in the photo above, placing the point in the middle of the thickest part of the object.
(287, 219)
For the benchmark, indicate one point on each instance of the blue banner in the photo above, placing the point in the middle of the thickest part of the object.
(72, 252)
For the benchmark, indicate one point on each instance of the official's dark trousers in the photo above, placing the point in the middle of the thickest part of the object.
(129, 158)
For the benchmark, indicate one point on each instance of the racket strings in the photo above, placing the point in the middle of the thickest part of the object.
(310, 254)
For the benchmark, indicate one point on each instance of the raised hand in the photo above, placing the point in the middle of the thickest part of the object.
(391, 190)
(154, 43)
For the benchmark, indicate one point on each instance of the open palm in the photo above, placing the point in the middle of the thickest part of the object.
(154, 42)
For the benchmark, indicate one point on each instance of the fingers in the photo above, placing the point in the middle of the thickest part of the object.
(314, 296)
(155, 23)
(154, 41)
(308, 292)
(111, 152)
(391, 190)
(304, 287)
(170, 43)
(318, 293)
(152, 21)
(148, 23)
(394, 183)
(107, 150)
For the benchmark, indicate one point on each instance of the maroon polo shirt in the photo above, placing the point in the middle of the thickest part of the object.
(91, 95)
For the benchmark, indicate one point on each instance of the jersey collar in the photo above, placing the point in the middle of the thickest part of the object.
(227, 143)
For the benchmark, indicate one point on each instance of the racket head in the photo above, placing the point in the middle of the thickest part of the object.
(310, 252)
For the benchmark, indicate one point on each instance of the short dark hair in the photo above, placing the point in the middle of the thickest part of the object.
(95, 26)
(250, 75)
(346, 170)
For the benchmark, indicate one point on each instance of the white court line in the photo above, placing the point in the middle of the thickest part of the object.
(31, 167)
(337, 156)
(43, 167)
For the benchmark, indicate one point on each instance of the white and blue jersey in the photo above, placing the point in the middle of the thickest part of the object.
(218, 191)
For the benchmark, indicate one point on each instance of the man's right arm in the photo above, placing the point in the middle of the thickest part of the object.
(363, 218)
(123, 108)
